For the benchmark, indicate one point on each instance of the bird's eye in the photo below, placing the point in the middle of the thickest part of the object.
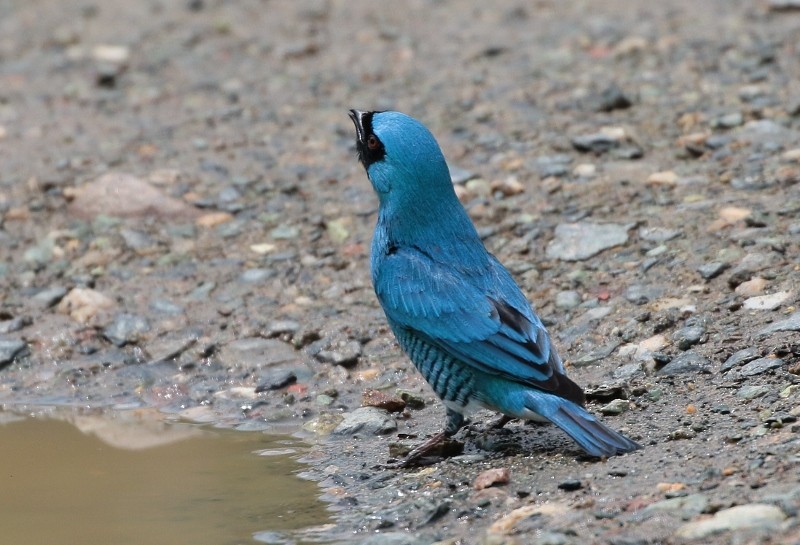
(372, 142)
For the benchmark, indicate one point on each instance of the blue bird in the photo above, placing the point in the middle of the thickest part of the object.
(453, 307)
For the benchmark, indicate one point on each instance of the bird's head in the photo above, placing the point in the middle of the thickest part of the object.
(402, 159)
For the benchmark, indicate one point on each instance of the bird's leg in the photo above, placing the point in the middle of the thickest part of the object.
(455, 421)
(500, 422)
(438, 444)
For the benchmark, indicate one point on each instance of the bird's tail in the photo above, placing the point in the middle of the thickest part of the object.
(593, 436)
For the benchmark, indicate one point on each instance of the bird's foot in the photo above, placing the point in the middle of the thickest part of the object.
(437, 447)
(500, 422)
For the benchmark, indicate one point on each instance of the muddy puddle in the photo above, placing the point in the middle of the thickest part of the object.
(131, 478)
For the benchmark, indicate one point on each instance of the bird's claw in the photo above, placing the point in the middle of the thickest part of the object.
(435, 448)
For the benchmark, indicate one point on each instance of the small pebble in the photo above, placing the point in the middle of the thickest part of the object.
(10, 349)
(570, 485)
(567, 299)
(611, 98)
(739, 358)
(492, 477)
(712, 269)
(759, 366)
(275, 380)
(752, 287)
(584, 170)
(752, 392)
(617, 406)
(792, 323)
(255, 276)
(686, 337)
(664, 178)
(49, 297)
(553, 165)
(748, 517)
(381, 400)
(126, 328)
(368, 421)
(582, 240)
(687, 362)
(767, 302)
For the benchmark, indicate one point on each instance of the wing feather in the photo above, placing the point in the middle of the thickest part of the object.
(478, 316)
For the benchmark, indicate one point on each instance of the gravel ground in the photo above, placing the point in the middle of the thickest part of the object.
(185, 226)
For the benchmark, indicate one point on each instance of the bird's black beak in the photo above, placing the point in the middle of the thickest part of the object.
(369, 147)
(358, 120)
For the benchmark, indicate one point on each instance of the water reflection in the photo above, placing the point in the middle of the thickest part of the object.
(130, 478)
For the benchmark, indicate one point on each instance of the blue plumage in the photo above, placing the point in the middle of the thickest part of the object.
(455, 310)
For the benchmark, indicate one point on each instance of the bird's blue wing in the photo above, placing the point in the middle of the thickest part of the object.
(477, 315)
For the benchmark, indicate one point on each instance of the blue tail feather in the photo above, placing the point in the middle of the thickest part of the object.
(593, 436)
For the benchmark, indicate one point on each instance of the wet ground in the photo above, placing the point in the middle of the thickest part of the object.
(185, 228)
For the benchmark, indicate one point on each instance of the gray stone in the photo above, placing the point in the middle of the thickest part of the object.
(15, 324)
(126, 328)
(712, 269)
(285, 232)
(203, 291)
(767, 131)
(228, 195)
(792, 323)
(412, 399)
(546, 537)
(568, 299)
(11, 349)
(599, 142)
(277, 328)
(754, 516)
(749, 265)
(727, 121)
(683, 506)
(570, 485)
(460, 176)
(609, 99)
(49, 297)
(688, 362)
(169, 348)
(767, 302)
(750, 183)
(596, 354)
(582, 240)
(39, 254)
(254, 276)
(687, 337)
(681, 433)
(630, 151)
(276, 379)
(617, 406)
(627, 371)
(658, 234)
(553, 165)
(162, 306)
(639, 294)
(136, 240)
(257, 352)
(346, 354)
(739, 358)
(761, 365)
(787, 500)
(366, 420)
(752, 392)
